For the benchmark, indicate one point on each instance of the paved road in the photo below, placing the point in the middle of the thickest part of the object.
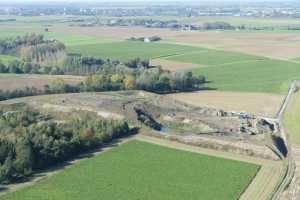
(280, 114)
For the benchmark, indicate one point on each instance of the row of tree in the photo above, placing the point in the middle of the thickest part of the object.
(45, 54)
(118, 77)
(153, 80)
(32, 141)
(13, 45)
(54, 65)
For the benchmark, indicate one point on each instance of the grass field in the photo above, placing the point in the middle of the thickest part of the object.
(127, 50)
(213, 57)
(296, 59)
(5, 59)
(10, 33)
(271, 76)
(71, 40)
(292, 119)
(139, 170)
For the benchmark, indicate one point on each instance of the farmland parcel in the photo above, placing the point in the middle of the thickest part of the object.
(139, 170)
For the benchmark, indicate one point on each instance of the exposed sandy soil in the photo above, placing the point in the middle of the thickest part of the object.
(104, 114)
(273, 45)
(11, 82)
(173, 65)
(255, 103)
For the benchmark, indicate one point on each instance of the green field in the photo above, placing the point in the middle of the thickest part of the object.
(127, 50)
(139, 170)
(257, 76)
(292, 119)
(10, 33)
(76, 40)
(213, 57)
(5, 59)
(296, 59)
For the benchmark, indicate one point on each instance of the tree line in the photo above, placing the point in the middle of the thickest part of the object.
(136, 74)
(141, 78)
(12, 45)
(72, 64)
(31, 141)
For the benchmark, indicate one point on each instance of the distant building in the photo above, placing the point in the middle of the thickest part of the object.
(147, 40)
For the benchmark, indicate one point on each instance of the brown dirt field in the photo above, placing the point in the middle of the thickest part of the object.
(11, 82)
(255, 103)
(173, 65)
(273, 45)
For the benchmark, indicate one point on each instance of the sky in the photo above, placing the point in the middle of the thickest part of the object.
(24, 1)
(6, 2)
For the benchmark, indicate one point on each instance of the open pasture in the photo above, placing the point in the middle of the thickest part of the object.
(292, 119)
(127, 50)
(12, 81)
(5, 33)
(5, 59)
(256, 103)
(211, 57)
(71, 40)
(271, 76)
(131, 171)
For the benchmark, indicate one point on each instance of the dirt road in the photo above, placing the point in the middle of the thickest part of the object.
(290, 180)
